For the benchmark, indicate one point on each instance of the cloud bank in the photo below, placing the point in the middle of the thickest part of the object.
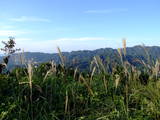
(66, 44)
(107, 11)
(29, 19)
(6, 33)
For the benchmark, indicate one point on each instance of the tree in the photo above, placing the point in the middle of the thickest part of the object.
(9, 49)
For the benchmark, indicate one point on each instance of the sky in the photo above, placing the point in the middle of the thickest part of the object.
(42, 25)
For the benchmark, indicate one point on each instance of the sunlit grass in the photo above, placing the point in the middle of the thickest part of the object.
(54, 92)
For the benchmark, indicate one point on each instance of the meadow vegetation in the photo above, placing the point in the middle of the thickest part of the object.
(113, 91)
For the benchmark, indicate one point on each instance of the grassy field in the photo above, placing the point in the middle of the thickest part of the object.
(53, 92)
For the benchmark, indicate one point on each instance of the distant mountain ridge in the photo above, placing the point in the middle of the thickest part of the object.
(83, 58)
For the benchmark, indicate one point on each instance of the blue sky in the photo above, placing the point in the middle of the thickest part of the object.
(42, 25)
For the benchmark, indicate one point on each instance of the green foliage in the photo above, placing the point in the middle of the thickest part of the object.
(45, 92)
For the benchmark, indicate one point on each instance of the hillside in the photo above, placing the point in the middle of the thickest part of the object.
(82, 59)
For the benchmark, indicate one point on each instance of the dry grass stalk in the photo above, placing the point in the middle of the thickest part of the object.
(30, 73)
(126, 91)
(91, 65)
(47, 74)
(61, 56)
(52, 70)
(21, 83)
(87, 85)
(93, 71)
(124, 46)
(105, 83)
(119, 51)
(140, 62)
(53, 67)
(66, 102)
(120, 54)
(117, 80)
(75, 72)
(38, 88)
(99, 63)
(96, 62)
(126, 63)
(22, 60)
(147, 53)
(156, 68)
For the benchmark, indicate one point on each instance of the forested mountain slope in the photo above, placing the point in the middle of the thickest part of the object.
(82, 59)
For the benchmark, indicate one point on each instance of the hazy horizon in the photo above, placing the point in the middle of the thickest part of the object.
(56, 51)
(41, 26)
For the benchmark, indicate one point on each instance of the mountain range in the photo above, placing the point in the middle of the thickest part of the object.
(83, 58)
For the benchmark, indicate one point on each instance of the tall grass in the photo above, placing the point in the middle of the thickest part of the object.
(53, 92)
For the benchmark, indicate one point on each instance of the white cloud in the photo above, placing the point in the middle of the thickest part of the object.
(107, 11)
(66, 44)
(82, 39)
(29, 19)
(23, 39)
(11, 33)
(6, 26)
(73, 44)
